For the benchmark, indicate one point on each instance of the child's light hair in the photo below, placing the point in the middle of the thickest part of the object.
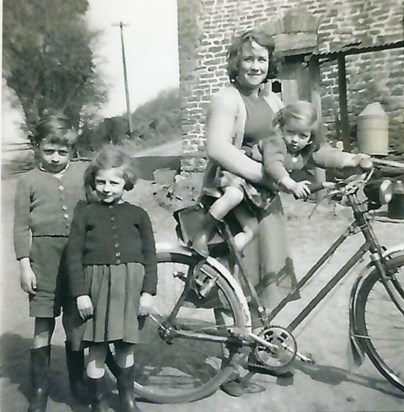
(109, 157)
(305, 115)
(54, 128)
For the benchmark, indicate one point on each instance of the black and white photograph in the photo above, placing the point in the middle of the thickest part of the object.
(202, 206)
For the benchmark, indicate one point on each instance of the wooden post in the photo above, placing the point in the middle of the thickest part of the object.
(125, 79)
(315, 97)
(343, 103)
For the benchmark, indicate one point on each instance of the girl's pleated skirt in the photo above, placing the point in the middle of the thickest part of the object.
(115, 294)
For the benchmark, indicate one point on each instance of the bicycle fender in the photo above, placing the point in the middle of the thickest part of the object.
(357, 350)
(164, 247)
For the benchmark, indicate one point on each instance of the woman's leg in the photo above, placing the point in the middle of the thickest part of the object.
(125, 361)
(96, 376)
(40, 360)
(230, 199)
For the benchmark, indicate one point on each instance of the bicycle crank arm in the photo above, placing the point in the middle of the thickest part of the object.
(271, 346)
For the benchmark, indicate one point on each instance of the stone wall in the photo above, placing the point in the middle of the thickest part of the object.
(207, 26)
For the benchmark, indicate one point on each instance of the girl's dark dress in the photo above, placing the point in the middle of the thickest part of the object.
(111, 257)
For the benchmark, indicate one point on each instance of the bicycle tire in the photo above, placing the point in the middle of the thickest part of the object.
(186, 370)
(380, 324)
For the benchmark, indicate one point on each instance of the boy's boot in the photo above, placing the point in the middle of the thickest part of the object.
(127, 401)
(206, 231)
(97, 392)
(40, 360)
(76, 370)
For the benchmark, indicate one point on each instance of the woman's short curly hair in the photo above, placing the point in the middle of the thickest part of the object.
(109, 157)
(263, 39)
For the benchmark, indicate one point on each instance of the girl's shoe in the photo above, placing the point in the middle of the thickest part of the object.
(97, 391)
(127, 401)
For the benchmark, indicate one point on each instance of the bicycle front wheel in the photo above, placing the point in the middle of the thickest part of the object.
(188, 355)
(381, 324)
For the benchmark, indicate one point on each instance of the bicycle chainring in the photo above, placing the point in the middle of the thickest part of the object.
(283, 352)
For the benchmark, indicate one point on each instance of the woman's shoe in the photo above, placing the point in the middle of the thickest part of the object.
(233, 388)
(237, 387)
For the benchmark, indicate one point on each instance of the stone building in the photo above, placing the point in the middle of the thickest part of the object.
(350, 51)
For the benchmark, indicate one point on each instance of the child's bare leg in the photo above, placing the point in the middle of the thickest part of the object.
(230, 199)
(96, 360)
(124, 354)
(249, 224)
(43, 331)
(96, 376)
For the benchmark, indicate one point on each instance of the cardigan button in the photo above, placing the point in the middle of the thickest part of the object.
(61, 187)
(118, 262)
(116, 245)
(117, 254)
(64, 207)
(66, 216)
(112, 218)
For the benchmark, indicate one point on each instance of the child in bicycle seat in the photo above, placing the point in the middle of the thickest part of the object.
(296, 144)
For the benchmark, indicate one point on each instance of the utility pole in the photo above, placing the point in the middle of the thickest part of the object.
(125, 78)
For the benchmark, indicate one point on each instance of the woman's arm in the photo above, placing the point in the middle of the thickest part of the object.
(222, 116)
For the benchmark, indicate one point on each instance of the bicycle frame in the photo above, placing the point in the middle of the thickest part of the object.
(371, 245)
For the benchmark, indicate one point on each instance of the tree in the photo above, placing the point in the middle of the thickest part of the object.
(47, 59)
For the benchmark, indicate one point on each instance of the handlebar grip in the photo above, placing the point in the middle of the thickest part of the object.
(315, 187)
(366, 164)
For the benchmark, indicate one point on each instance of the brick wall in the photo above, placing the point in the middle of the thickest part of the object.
(207, 26)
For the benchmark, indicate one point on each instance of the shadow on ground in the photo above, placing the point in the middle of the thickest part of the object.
(14, 361)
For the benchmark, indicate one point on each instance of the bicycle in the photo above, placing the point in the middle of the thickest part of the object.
(203, 326)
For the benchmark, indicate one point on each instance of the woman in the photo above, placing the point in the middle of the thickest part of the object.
(239, 115)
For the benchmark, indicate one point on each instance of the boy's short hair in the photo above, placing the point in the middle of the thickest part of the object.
(54, 128)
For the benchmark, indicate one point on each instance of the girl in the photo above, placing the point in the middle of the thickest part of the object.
(298, 145)
(113, 272)
(44, 203)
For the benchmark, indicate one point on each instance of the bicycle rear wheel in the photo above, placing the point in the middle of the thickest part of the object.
(380, 323)
(175, 369)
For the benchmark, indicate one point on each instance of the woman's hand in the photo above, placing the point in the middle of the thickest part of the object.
(27, 277)
(85, 306)
(146, 304)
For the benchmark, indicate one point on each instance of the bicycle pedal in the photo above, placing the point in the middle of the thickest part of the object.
(305, 359)
(270, 371)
